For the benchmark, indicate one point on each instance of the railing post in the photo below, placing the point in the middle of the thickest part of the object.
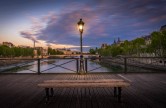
(81, 67)
(125, 65)
(86, 65)
(38, 62)
(77, 65)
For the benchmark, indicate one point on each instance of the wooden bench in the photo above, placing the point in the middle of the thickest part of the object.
(117, 84)
(84, 81)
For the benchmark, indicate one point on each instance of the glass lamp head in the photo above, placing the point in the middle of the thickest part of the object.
(80, 25)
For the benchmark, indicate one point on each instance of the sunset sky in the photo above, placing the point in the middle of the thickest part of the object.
(54, 22)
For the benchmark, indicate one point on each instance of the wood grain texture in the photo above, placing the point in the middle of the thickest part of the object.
(21, 91)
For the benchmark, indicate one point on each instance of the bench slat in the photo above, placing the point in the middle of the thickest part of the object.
(83, 85)
(84, 81)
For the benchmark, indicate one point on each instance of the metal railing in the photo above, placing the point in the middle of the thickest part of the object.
(72, 65)
(128, 64)
(25, 65)
(61, 65)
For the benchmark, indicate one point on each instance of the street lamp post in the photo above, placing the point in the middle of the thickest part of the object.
(80, 27)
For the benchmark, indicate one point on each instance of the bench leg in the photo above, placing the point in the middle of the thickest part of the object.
(115, 91)
(47, 95)
(52, 92)
(119, 94)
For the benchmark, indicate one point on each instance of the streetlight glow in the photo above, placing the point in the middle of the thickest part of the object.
(80, 25)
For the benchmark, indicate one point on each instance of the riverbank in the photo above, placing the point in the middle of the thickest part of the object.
(14, 60)
(144, 63)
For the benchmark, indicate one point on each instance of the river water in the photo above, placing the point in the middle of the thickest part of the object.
(54, 66)
(66, 66)
(61, 66)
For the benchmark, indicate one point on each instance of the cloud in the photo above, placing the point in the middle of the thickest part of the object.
(104, 20)
(28, 35)
(34, 31)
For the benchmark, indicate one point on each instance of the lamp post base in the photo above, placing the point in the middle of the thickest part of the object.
(81, 71)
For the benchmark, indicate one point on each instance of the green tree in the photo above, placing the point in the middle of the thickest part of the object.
(6, 51)
(49, 50)
(163, 42)
(126, 46)
(54, 52)
(59, 52)
(137, 45)
(116, 50)
(92, 51)
(158, 43)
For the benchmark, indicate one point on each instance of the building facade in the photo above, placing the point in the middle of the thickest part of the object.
(163, 28)
(9, 44)
(104, 45)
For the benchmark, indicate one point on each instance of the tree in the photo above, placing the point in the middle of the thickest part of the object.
(54, 52)
(156, 44)
(137, 45)
(92, 51)
(6, 51)
(116, 50)
(38, 52)
(163, 42)
(49, 50)
(126, 47)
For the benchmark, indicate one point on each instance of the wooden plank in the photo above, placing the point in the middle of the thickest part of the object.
(88, 98)
(83, 85)
(73, 99)
(93, 98)
(83, 97)
(85, 81)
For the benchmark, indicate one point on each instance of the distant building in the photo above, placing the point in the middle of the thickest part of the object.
(118, 42)
(75, 52)
(39, 48)
(114, 42)
(43, 52)
(35, 52)
(147, 39)
(163, 28)
(65, 51)
(24, 46)
(9, 44)
(104, 45)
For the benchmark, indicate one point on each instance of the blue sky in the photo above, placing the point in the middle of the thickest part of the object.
(53, 22)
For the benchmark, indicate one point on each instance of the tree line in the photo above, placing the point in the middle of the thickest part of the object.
(156, 45)
(6, 51)
(54, 52)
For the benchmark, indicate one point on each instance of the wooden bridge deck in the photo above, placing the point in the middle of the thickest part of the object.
(21, 91)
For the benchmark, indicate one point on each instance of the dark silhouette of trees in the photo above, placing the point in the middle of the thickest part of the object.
(157, 45)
